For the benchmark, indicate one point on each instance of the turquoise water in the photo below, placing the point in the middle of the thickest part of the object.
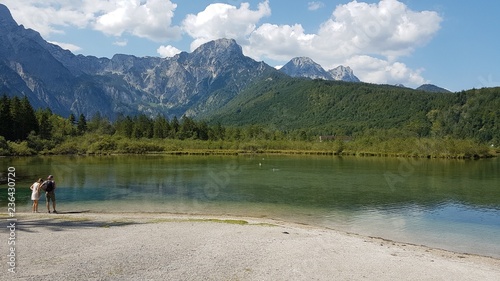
(449, 204)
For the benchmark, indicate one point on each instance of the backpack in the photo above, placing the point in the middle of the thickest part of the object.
(48, 186)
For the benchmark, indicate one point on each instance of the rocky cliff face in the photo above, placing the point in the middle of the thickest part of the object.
(342, 73)
(27, 67)
(189, 83)
(306, 67)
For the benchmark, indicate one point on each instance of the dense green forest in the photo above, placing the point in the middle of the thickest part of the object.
(280, 116)
(321, 107)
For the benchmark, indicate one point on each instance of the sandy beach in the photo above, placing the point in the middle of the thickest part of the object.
(156, 246)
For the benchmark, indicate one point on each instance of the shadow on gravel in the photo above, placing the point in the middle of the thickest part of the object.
(60, 222)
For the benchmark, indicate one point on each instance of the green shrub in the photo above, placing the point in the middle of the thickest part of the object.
(20, 149)
(68, 147)
(4, 147)
(105, 144)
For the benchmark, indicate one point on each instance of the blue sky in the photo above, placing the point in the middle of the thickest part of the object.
(453, 44)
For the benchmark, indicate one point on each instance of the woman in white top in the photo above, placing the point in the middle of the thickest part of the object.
(35, 194)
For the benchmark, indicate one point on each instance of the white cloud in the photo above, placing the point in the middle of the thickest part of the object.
(121, 43)
(150, 19)
(388, 28)
(50, 16)
(224, 21)
(167, 51)
(67, 46)
(279, 42)
(315, 5)
(373, 70)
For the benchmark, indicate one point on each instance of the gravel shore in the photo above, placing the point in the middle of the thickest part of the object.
(153, 246)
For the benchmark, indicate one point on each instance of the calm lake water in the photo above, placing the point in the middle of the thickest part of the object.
(449, 204)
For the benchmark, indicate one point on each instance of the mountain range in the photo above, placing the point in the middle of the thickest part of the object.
(193, 84)
(188, 83)
(306, 67)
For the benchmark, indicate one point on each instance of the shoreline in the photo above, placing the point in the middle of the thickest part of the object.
(207, 247)
(146, 217)
(291, 152)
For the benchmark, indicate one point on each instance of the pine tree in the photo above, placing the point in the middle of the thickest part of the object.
(44, 124)
(17, 116)
(28, 122)
(160, 127)
(174, 127)
(81, 125)
(5, 118)
(187, 128)
(124, 126)
(72, 119)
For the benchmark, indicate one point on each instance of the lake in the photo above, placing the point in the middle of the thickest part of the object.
(448, 204)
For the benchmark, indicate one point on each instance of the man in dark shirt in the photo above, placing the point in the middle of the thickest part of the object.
(50, 194)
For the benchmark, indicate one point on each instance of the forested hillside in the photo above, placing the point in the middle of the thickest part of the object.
(319, 107)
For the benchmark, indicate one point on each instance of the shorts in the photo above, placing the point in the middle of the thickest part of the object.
(50, 196)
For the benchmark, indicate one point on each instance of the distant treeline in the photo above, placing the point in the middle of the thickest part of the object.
(25, 131)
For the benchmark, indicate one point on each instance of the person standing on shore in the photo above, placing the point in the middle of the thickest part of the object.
(50, 194)
(35, 194)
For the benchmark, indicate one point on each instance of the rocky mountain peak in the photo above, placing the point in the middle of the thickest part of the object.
(6, 19)
(228, 44)
(220, 47)
(303, 61)
(343, 73)
(306, 67)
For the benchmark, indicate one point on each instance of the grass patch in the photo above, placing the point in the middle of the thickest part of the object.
(265, 224)
(239, 222)
(164, 220)
(228, 221)
(73, 219)
(114, 223)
